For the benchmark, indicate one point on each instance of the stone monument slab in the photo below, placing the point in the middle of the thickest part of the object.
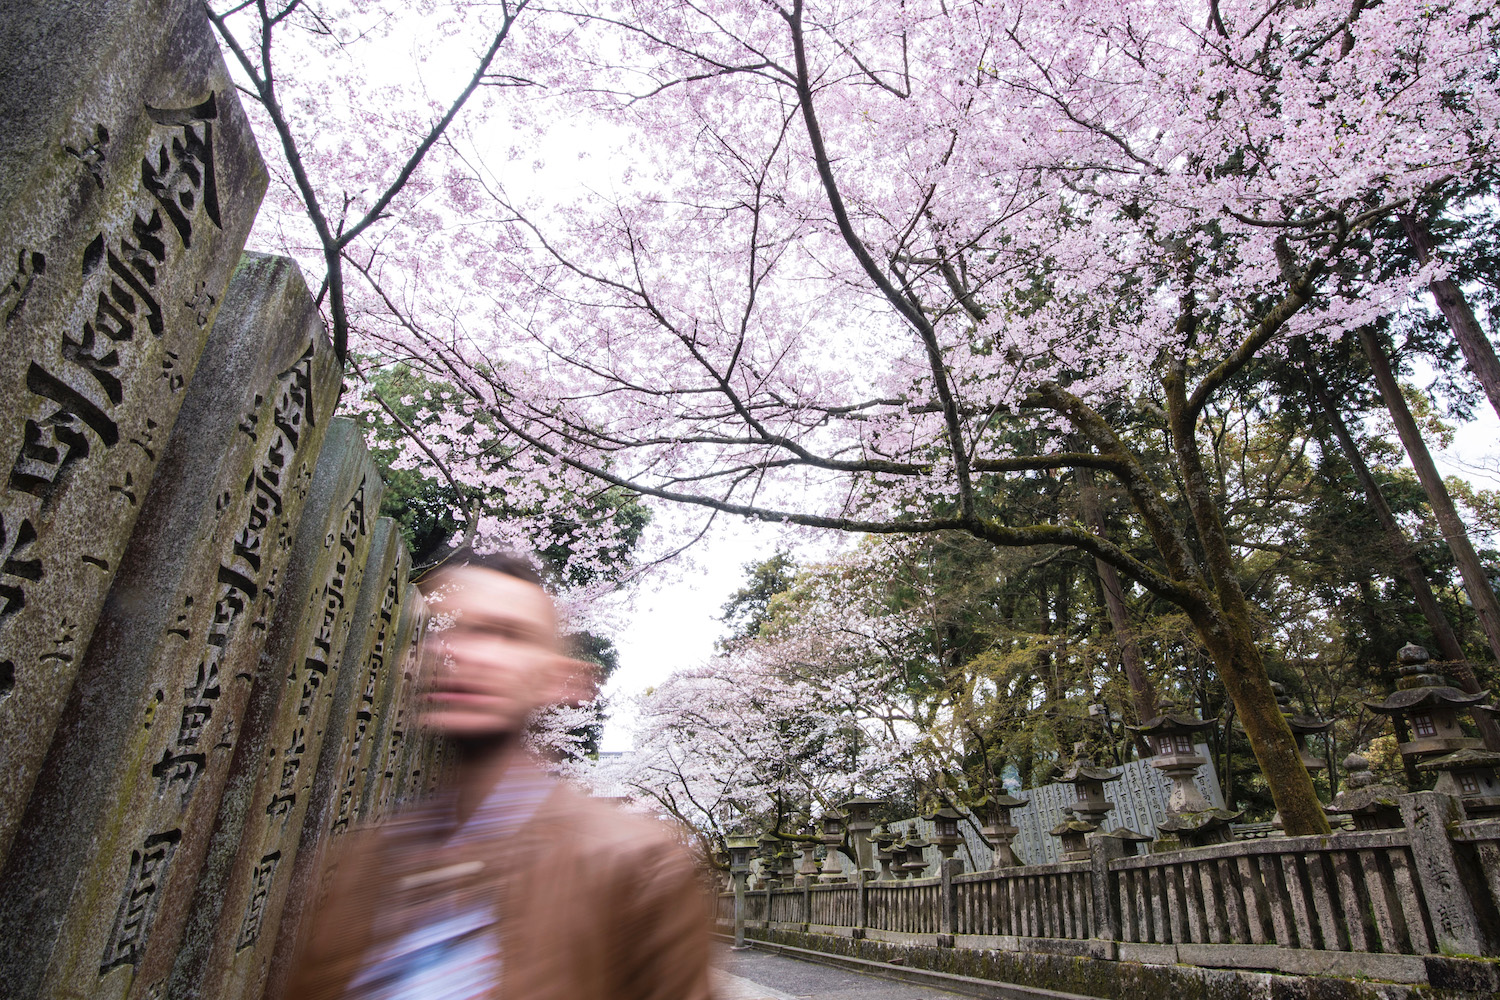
(130, 180)
(370, 655)
(232, 918)
(391, 744)
(148, 730)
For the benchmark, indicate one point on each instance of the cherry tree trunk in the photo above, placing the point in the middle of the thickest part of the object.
(1243, 671)
(1476, 583)
(1225, 622)
(1478, 351)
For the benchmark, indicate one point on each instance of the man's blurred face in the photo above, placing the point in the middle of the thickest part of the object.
(497, 662)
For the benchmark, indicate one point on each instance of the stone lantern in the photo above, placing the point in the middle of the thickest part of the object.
(741, 850)
(898, 859)
(832, 827)
(945, 835)
(786, 859)
(1129, 840)
(1428, 707)
(859, 821)
(807, 871)
(916, 852)
(998, 829)
(1171, 734)
(1302, 726)
(833, 839)
(1468, 775)
(1192, 820)
(769, 847)
(1073, 831)
(882, 839)
(1372, 806)
(1089, 780)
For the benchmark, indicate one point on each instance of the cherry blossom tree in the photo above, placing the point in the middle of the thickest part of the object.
(758, 739)
(854, 264)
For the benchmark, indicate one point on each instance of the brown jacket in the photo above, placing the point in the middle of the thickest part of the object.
(594, 904)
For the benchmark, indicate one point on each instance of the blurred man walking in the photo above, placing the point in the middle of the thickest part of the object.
(507, 883)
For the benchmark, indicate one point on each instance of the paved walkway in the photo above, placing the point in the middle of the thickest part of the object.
(758, 975)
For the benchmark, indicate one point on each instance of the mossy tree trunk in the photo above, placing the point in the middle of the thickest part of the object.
(1225, 622)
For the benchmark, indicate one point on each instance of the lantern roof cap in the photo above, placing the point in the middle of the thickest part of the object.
(1172, 722)
(1128, 835)
(1072, 824)
(1465, 758)
(1308, 724)
(1363, 800)
(741, 842)
(1004, 799)
(1083, 769)
(1425, 697)
(1190, 822)
(946, 812)
(861, 800)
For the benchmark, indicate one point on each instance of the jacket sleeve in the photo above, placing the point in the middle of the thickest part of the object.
(665, 928)
(338, 933)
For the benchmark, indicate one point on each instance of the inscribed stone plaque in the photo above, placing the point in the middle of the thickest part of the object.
(147, 735)
(390, 744)
(252, 852)
(130, 181)
(369, 655)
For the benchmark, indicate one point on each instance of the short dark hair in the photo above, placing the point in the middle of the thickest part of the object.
(505, 563)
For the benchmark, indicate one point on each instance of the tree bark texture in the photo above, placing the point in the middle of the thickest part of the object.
(1226, 624)
(1476, 582)
(1478, 351)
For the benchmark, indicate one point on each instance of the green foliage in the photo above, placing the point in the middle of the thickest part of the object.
(746, 610)
(601, 652)
(433, 509)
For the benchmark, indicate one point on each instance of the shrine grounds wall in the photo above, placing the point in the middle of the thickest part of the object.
(207, 635)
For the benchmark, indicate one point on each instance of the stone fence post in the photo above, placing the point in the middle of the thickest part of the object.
(807, 903)
(947, 898)
(1455, 923)
(1102, 850)
(862, 904)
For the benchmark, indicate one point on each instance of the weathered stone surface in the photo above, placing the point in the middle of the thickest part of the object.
(235, 908)
(383, 650)
(129, 790)
(128, 183)
(390, 745)
(333, 800)
(1455, 924)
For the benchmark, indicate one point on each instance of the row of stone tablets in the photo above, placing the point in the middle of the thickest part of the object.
(207, 638)
(242, 702)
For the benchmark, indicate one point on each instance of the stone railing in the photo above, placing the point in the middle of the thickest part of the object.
(1369, 903)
